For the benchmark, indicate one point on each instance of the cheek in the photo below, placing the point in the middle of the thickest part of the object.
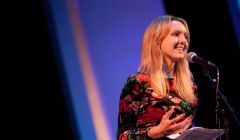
(186, 47)
(164, 45)
(168, 41)
(172, 40)
(175, 40)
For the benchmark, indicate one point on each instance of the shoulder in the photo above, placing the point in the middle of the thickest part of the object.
(138, 77)
(135, 84)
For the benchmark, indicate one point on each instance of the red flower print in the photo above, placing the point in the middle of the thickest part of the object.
(124, 135)
(136, 87)
(135, 92)
(142, 78)
(144, 102)
(135, 105)
(123, 106)
(128, 98)
(151, 115)
(123, 138)
(155, 113)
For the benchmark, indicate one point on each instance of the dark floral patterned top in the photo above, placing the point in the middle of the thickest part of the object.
(140, 107)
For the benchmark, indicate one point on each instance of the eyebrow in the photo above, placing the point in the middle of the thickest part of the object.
(179, 31)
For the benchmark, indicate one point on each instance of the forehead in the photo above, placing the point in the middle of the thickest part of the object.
(177, 26)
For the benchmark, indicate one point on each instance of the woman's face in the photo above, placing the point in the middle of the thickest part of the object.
(175, 45)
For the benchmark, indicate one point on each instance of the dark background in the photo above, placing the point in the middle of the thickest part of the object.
(213, 38)
(34, 106)
(33, 103)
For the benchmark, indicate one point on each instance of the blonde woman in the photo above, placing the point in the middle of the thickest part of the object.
(159, 100)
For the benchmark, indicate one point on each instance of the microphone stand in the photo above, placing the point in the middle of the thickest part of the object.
(221, 98)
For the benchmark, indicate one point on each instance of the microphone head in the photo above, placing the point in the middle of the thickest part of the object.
(190, 56)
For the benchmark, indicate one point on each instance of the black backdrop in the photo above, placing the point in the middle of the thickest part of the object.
(33, 103)
(213, 38)
(33, 100)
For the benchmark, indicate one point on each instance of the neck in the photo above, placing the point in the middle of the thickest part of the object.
(168, 70)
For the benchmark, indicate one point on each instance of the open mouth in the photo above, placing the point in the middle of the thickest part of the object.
(179, 49)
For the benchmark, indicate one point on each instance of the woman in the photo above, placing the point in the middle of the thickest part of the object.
(159, 100)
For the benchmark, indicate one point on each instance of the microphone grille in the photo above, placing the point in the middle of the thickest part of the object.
(190, 56)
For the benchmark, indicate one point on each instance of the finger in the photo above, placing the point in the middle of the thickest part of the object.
(178, 118)
(186, 125)
(186, 122)
(190, 117)
(169, 113)
(184, 128)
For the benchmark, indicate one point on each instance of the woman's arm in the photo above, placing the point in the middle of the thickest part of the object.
(128, 111)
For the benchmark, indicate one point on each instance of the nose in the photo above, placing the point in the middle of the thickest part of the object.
(182, 39)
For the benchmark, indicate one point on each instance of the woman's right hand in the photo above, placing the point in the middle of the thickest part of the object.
(170, 126)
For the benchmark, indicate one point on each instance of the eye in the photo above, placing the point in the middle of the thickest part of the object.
(176, 33)
(186, 36)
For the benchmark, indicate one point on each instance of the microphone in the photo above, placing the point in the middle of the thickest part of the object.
(193, 58)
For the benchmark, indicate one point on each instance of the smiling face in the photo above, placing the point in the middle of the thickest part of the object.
(175, 45)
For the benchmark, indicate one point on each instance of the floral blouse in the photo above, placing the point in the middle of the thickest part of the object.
(140, 107)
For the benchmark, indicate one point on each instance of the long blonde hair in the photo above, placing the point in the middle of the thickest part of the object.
(152, 59)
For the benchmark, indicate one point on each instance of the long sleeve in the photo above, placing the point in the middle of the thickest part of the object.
(129, 103)
(140, 108)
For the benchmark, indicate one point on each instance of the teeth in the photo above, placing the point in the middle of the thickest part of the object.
(181, 49)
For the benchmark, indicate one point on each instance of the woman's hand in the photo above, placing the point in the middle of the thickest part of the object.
(170, 126)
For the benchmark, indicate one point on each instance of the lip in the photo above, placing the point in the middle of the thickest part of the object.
(180, 49)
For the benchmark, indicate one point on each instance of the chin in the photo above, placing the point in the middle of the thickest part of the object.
(179, 57)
